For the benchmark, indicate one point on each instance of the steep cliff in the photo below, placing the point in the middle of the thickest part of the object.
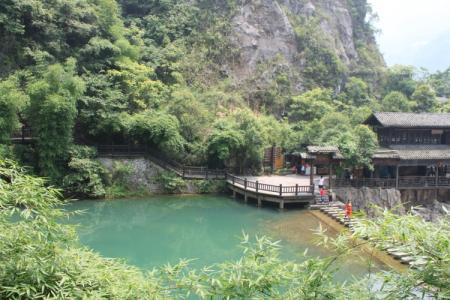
(316, 43)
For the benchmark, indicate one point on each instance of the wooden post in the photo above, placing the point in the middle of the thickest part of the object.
(296, 189)
(184, 171)
(259, 201)
(257, 186)
(330, 176)
(245, 183)
(232, 179)
(206, 171)
(311, 175)
(234, 194)
(245, 197)
(281, 204)
(397, 176)
(281, 189)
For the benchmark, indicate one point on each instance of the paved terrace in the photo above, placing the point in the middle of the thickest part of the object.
(277, 189)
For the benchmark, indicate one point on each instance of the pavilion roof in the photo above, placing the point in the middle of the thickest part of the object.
(333, 150)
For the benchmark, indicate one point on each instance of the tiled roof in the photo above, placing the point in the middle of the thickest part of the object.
(414, 152)
(312, 150)
(322, 149)
(385, 153)
(411, 120)
(422, 152)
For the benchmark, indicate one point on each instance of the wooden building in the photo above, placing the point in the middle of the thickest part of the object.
(414, 152)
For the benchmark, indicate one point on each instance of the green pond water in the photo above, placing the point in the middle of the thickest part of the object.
(152, 232)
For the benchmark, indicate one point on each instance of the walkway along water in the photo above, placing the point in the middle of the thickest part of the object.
(280, 194)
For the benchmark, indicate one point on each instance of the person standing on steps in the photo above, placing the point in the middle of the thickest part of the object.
(348, 210)
(321, 181)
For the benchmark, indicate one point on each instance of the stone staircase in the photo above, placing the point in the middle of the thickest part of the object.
(399, 252)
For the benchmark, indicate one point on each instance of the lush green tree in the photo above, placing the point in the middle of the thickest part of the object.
(85, 175)
(224, 144)
(156, 129)
(401, 79)
(441, 83)
(311, 105)
(359, 114)
(191, 114)
(52, 110)
(100, 106)
(425, 98)
(239, 140)
(358, 146)
(396, 102)
(12, 101)
(356, 92)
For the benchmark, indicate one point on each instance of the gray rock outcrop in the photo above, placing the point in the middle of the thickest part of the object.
(263, 31)
(370, 200)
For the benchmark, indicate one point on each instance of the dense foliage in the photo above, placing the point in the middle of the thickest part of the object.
(155, 74)
(41, 259)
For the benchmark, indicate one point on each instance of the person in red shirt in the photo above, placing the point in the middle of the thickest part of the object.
(348, 209)
(323, 195)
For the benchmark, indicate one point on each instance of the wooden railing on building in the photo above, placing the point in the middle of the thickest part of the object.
(364, 182)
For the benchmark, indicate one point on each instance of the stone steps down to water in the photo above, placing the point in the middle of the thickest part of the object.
(399, 252)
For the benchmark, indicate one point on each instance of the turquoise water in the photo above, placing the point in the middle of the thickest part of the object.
(152, 232)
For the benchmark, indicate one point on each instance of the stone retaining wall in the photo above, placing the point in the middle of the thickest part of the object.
(428, 203)
(143, 175)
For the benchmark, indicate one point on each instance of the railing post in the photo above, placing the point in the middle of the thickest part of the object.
(256, 186)
(245, 183)
(232, 179)
(437, 176)
(281, 189)
(206, 171)
(296, 189)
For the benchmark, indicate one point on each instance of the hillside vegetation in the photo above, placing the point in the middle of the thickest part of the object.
(205, 82)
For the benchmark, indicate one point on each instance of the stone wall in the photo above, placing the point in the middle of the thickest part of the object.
(143, 175)
(367, 199)
(143, 172)
(427, 203)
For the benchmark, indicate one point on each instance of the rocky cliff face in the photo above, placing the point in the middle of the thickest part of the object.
(279, 34)
(370, 200)
(430, 204)
(423, 202)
